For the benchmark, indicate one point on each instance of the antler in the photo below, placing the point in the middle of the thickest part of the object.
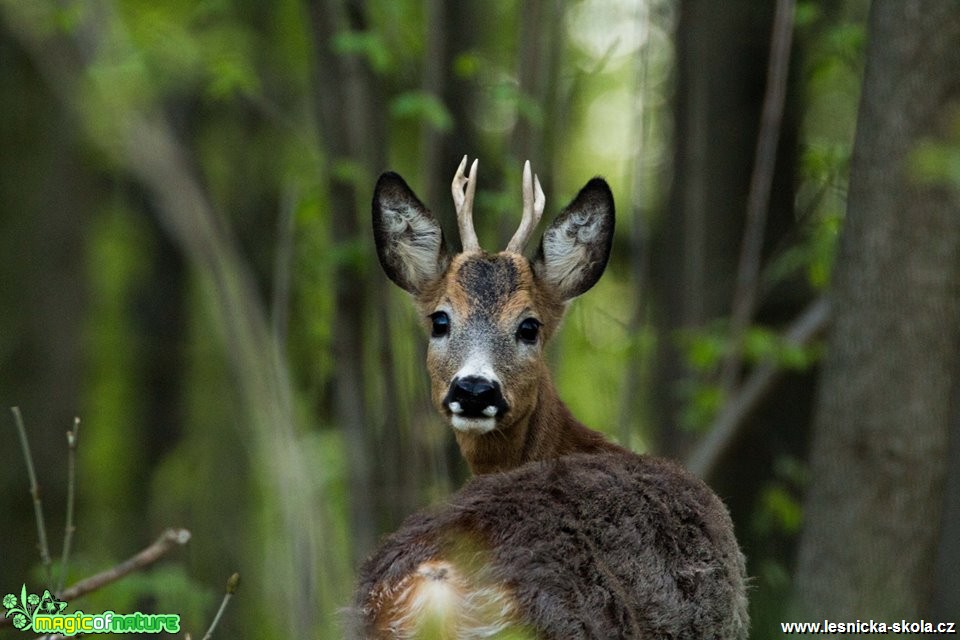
(533, 203)
(463, 200)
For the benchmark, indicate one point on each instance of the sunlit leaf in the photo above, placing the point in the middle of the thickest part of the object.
(368, 44)
(422, 105)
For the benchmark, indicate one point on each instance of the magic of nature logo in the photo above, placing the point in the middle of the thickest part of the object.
(45, 614)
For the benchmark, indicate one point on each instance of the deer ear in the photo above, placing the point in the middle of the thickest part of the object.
(409, 240)
(575, 248)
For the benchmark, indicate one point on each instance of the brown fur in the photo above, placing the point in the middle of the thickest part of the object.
(548, 431)
(610, 546)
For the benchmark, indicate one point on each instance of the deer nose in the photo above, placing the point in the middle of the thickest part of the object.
(475, 397)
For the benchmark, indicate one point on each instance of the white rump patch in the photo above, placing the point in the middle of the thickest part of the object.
(438, 601)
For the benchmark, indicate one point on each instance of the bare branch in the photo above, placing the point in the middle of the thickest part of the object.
(34, 493)
(704, 458)
(69, 528)
(761, 182)
(168, 540)
(232, 585)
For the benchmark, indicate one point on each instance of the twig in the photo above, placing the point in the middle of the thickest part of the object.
(164, 544)
(167, 541)
(232, 585)
(761, 181)
(704, 458)
(69, 528)
(35, 493)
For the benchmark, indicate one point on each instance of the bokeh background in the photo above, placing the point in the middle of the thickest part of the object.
(186, 264)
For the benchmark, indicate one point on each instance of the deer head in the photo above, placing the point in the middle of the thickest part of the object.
(489, 315)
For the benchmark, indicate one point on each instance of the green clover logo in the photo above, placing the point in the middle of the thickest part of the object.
(21, 611)
(49, 604)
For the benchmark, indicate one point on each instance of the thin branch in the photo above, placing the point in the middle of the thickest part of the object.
(761, 181)
(168, 540)
(34, 493)
(708, 452)
(232, 585)
(69, 528)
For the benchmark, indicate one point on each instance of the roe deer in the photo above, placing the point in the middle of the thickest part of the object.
(562, 534)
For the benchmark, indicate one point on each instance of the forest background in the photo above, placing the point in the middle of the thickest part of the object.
(186, 264)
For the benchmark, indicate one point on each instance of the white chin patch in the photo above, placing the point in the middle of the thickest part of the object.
(473, 425)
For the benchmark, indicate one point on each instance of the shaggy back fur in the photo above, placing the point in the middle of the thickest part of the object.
(586, 546)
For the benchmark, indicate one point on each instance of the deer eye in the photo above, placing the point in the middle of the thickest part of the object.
(528, 331)
(441, 324)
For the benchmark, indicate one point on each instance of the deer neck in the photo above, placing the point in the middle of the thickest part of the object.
(548, 430)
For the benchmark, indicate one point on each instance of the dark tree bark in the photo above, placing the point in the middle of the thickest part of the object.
(43, 292)
(946, 597)
(879, 454)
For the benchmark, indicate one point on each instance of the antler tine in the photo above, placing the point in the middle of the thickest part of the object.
(463, 201)
(533, 204)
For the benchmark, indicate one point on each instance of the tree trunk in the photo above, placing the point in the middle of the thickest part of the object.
(879, 452)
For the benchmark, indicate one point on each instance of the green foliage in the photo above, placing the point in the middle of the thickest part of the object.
(776, 521)
(467, 65)
(169, 589)
(423, 106)
(702, 403)
(367, 44)
(937, 161)
(704, 352)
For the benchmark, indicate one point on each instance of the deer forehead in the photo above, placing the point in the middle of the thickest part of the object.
(497, 287)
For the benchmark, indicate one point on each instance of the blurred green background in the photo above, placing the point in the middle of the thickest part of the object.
(186, 264)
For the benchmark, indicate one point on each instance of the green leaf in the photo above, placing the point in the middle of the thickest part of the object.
(703, 403)
(467, 65)
(936, 163)
(703, 350)
(782, 509)
(424, 106)
(807, 13)
(760, 343)
(367, 44)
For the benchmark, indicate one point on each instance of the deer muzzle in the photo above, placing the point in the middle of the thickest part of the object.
(475, 403)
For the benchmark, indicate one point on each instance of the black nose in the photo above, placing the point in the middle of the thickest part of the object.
(475, 397)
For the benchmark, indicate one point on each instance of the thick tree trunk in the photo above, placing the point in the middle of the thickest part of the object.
(879, 453)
